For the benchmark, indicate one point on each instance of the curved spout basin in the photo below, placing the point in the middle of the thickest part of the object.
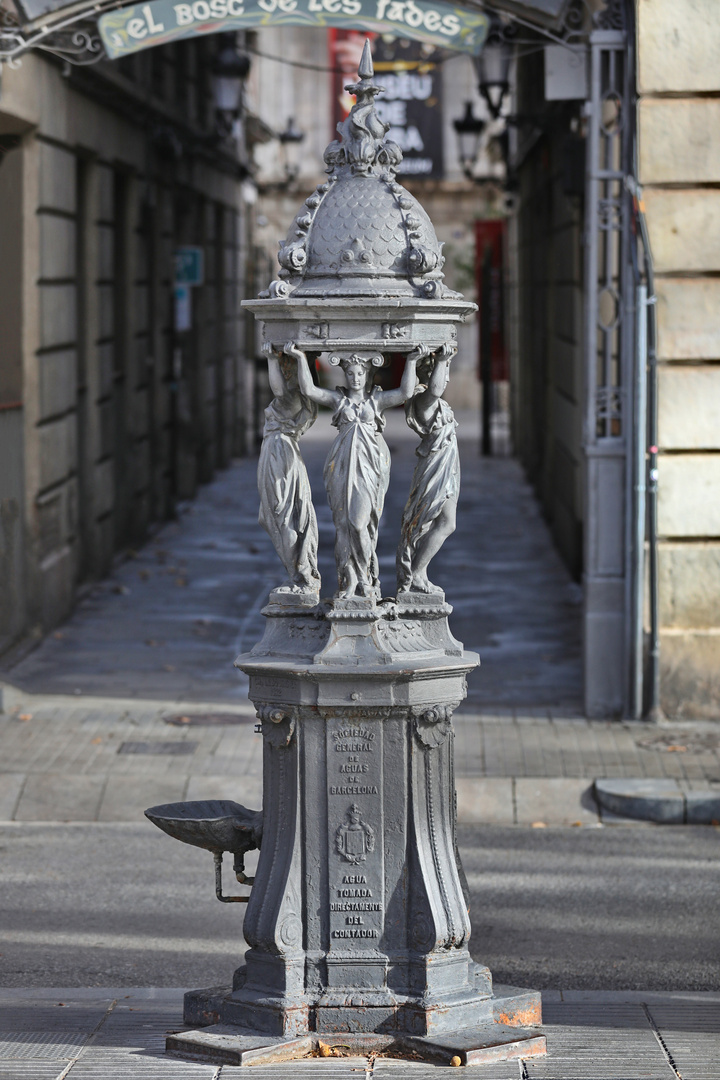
(214, 824)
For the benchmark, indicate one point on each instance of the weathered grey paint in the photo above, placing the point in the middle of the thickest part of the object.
(357, 921)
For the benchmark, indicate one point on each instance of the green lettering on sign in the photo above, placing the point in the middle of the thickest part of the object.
(144, 25)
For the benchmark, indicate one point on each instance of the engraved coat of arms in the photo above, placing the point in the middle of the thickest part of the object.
(354, 839)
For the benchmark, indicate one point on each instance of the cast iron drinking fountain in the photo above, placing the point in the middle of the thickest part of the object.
(357, 919)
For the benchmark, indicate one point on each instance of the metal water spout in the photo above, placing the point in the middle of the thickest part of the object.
(357, 924)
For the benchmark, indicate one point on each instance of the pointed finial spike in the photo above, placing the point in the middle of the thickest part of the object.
(365, 70)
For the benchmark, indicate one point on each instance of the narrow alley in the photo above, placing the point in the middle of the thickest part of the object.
(170, 620)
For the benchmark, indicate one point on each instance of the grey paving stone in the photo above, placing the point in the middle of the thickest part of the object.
(247, 790)
(554, 801)
(11, 785)
(60, 797)
(484, 800)
(126, 798)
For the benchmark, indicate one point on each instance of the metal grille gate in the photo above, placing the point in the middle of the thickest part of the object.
(609, 355)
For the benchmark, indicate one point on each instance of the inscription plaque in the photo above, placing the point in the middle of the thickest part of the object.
(355, 860)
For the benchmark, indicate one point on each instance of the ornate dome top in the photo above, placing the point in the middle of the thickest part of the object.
(361, 233)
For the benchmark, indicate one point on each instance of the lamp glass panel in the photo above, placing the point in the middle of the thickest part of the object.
(226, 90)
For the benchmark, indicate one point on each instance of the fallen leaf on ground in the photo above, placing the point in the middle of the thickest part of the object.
(25, 716)
(576, 823)
(96, 741)
(538, 825)
(676, 748)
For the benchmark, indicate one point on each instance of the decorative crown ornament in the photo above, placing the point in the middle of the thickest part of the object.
(361, 231)
(363, 132)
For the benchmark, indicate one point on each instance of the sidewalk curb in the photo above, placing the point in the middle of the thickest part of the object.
(662, 801)
(12, 696)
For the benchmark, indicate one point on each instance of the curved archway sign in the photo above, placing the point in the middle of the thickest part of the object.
(130, 29)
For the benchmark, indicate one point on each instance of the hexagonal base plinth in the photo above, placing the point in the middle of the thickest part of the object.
(505, 1036)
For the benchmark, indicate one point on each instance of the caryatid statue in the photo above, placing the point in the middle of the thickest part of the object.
(357, 469)
(429, 515)
(286, 508)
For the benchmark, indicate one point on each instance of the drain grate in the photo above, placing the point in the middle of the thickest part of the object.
(157, 748)
(21, 1045)
(218, 719)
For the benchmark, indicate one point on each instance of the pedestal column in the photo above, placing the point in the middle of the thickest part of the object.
(357, 918)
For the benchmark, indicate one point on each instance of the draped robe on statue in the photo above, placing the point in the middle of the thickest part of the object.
(436, 480)
(286, 509)
(357, 473)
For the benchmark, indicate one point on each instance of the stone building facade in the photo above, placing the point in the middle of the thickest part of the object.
(112, 405)
(679, 168)
(667, 124)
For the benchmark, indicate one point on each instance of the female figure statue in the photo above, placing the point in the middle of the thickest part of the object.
(357, 469)
(429, 515)
(286, 509)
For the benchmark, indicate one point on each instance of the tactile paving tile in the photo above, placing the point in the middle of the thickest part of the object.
(51, 1045)
(352, 1068)
(599, 1042)
(691, 1033)
(395, 1069)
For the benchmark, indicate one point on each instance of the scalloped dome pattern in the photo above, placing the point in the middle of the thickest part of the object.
(364, 227)
(361, 209)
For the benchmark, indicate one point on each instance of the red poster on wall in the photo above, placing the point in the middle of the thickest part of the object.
(489, 274)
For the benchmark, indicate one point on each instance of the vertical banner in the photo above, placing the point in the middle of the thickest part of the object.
(412, 102)
(489, 257)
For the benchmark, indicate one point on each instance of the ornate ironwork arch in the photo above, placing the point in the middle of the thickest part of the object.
(70, 32)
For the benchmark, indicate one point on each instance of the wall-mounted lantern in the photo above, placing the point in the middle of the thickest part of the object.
(493, 68)
(469, 129)
(290, 140)
(229, 71)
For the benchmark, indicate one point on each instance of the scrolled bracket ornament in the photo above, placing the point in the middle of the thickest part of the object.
(292, 257)
(73, 39)
(433, 725)
(278, 723)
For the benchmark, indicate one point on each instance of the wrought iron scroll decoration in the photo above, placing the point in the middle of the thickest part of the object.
(73, 36)
(578, 21)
